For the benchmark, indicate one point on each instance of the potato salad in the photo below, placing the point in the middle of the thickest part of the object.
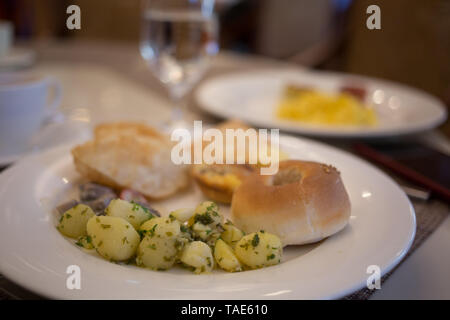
(197, 239)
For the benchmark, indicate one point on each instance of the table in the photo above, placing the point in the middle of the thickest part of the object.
(115, 77)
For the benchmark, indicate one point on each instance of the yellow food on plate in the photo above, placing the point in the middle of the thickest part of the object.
(226, 258)
(231, 235)
(206, 223)
(259, 249)
(134, 213)
(183, 214)
(197, 239)
(315, 107)
(198, 255)
(114, 238)
(73, 222)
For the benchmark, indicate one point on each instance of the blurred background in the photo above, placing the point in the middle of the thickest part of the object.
(413, 46)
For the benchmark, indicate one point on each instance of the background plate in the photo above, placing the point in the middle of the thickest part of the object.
(253, 97)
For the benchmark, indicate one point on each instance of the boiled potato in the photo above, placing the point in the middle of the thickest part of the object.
(259, 249)
(206, 223)
(206, 213)
(73, 222)
(225, 257)
(114, 238)
(201, 231)
(198, 256)
(231, 235)
(182, 215)
(132, 212)
(157, 253)
(161, 243)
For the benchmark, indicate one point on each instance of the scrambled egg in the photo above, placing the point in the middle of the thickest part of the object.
(326, 109)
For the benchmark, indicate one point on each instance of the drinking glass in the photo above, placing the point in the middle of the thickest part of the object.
(178, 38)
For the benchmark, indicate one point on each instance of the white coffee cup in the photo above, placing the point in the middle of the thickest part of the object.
(26, 100)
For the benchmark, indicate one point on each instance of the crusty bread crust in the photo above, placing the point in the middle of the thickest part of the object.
(299, 211)
(130, 155)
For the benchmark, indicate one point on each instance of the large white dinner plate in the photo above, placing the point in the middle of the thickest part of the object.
(36, 256)
(253, 97)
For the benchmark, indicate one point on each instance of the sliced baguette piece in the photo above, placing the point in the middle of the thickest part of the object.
(129, 155)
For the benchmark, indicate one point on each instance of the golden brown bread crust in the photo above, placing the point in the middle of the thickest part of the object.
(105, 130)
(130, 155)
(210, 179)
(303, 203)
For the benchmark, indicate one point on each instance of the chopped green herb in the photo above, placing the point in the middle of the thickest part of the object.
(255, 240)
(142, 233)
(271, 256)
(152, 230)
(105, 226)
(204, 219)
(137, 206)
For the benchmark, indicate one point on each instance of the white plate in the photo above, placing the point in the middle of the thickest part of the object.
(68, 132)
(35, 255)
(253, 97)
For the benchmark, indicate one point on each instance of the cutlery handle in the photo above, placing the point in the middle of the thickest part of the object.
(402, 170)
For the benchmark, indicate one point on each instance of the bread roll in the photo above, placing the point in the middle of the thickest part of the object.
(303, 203)
(130, 155)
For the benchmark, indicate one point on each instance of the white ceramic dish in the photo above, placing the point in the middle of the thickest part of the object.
(36, 256)
(253, 97)
(68, 132)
